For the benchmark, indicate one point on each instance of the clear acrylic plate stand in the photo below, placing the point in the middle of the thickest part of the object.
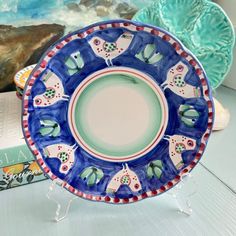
(182, 193)
(62, 198)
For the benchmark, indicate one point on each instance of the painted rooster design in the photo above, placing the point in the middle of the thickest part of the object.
(177, 145)
(63, 152)
(124, 177)
(110, 50)
(176, 82)
(54, 91)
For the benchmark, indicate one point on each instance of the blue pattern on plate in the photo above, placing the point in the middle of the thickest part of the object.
(58, 112)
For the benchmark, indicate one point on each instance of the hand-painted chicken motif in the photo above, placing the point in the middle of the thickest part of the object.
(54, 91)
(177, 145)
(63, 152)
(176, 82)
(110, 50)
(124, 177)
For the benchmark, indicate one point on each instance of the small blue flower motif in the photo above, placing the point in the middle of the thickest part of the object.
(149, 54)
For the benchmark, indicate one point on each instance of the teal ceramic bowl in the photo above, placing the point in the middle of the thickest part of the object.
(202, 26)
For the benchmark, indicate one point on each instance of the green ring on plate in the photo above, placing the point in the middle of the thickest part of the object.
(137, 114)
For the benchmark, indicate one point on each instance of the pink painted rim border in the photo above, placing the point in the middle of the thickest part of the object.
(130, 26)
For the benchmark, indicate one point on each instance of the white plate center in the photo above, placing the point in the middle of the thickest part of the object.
(118, 114)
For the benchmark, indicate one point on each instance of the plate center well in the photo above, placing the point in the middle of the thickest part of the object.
(118, 114)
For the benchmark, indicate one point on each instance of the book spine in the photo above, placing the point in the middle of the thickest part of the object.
(20, 174)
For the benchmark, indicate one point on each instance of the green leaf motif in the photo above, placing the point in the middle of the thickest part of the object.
(158, 163)
(100, 175)
(46, 131)
(49, 128)
(188, 115)
(56, 131)
(92, 179)
(91, 175)
(149, 54)
(157, 172)
(191, 113)
(155, 169)
(150, 173)
(74, 63)
(86, 172)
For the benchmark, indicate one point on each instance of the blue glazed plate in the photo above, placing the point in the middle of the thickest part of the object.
(117, 111)
(202, 26)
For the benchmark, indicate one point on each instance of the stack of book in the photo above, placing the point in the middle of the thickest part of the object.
(17, 163)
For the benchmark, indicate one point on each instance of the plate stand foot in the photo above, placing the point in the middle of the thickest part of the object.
(62, 198)
(182, 193)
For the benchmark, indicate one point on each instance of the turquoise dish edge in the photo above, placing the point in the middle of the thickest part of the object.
(214, 50)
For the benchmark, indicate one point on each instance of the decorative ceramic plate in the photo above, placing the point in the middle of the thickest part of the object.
(22, 76)
(19, 90)
(19, 95)
(117, 111)
(202, 26)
